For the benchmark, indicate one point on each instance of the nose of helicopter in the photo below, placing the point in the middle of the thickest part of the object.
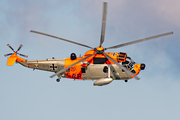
(138, 68)
(142, 66)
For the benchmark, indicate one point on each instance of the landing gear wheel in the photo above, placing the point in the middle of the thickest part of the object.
(126, 80)
(58, 80)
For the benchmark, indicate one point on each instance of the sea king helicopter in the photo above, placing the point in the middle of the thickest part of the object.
(95, 64)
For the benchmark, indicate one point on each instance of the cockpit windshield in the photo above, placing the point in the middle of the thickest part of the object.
(129, 64)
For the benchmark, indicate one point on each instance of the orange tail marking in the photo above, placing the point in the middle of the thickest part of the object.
(14, 58)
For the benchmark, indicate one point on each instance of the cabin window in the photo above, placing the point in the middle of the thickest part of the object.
(105, 70)
(99, 60)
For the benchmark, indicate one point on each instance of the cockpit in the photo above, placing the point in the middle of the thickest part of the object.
(129, 64)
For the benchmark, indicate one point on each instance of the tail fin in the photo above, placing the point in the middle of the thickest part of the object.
(14, 58)
(11, 61)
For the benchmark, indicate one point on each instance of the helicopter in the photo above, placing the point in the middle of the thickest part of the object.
(95, 64)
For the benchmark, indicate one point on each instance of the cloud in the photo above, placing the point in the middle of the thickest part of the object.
(169, 11)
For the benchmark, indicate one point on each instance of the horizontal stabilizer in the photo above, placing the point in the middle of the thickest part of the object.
(11, 61)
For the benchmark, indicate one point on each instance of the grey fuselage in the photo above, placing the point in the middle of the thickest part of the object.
(90, 72)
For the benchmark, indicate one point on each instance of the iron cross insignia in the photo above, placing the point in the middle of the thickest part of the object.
(53, 66)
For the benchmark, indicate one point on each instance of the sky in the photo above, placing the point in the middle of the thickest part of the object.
(32, 95)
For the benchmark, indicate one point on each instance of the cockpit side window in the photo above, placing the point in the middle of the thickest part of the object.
(129, 64)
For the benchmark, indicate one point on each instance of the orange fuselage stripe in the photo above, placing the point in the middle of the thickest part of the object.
(75, 71)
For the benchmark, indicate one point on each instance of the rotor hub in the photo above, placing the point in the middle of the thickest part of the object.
(99, 50)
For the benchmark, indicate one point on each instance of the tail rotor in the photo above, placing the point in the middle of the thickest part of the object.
(15, 51)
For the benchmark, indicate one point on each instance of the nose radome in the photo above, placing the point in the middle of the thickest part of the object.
(143, 66)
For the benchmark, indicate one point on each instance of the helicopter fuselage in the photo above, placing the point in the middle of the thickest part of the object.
(93, 68)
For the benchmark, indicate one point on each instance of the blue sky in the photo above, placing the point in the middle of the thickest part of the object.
(28, 94)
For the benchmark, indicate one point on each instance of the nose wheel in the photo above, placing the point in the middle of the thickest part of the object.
(126, 80)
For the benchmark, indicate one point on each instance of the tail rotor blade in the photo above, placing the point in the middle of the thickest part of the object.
(7, 54)
(23, 55)
(16, 51)
(122, 67)
(10, 47)
(103, 23)
(19, 47)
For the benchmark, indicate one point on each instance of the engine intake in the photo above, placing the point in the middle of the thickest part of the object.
(121, 57)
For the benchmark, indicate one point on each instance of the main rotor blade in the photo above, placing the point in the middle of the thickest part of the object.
(103, 23)
(19, 48)
(60, 38)
(71, 66)
(141, 40)
(8, 54)
(10, 47)
(122, 67)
